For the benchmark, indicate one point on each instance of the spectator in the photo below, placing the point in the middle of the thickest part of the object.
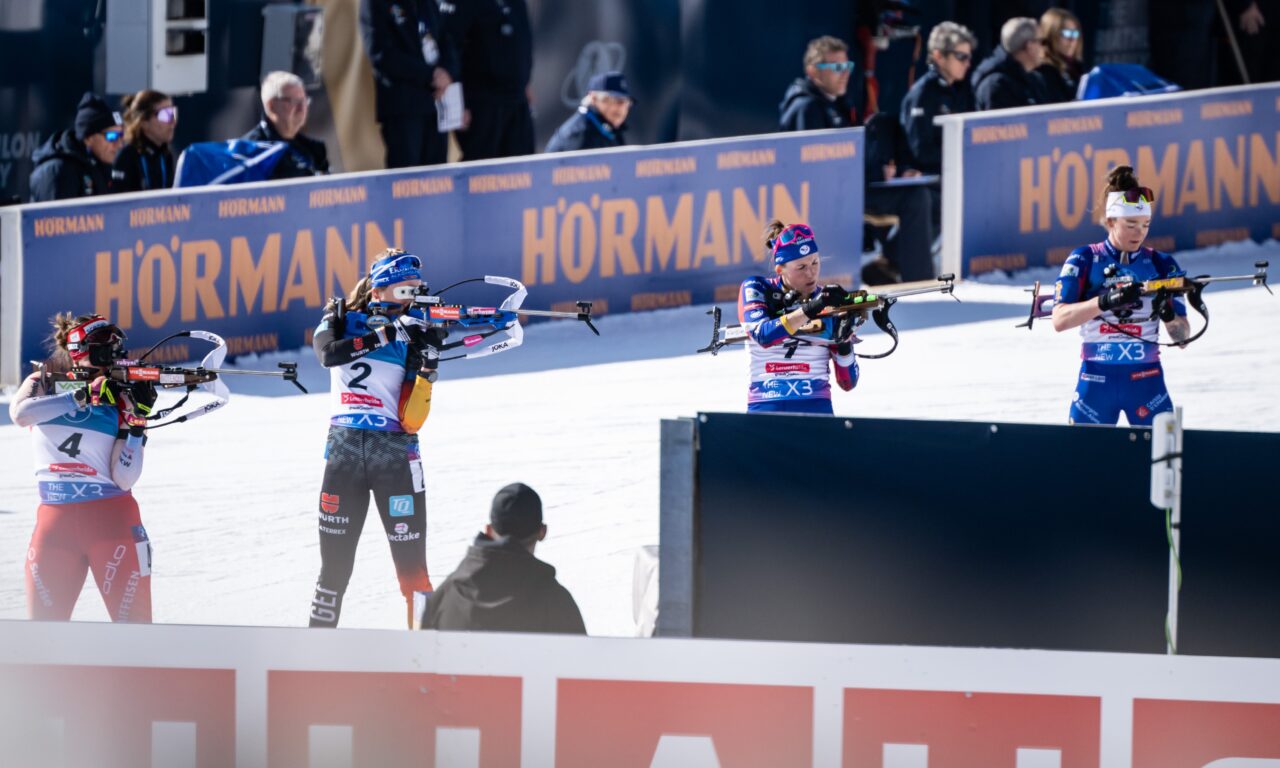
(500, 586)
(77, 162)
(1258, 34)
(600, 119)
(1005, 79)
(495, 42)
(284, 106)
(818, 101)
(1062, 69)
(413, 63)
(944, 90)
(146, 160)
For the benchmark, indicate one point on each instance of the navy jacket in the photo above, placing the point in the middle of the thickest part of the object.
(148, 167)
(501, 587)
(66, 169)
(393, 32)
(1000, 82)
(1058, 86)
(805, 108)
(495, 43)
(928, 98)
(586, 129)
(305, 157)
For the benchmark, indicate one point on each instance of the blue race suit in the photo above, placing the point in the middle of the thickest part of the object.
(1118, 372)
(789, 372)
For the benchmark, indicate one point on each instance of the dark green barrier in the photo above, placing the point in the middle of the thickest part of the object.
(977, 534)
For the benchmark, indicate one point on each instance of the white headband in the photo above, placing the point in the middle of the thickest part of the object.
(1119, 208)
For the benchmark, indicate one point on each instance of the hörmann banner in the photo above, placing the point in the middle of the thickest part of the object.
(631, 229)
(1030, 180)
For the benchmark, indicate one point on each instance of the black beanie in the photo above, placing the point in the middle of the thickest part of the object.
(516, 512)
(93, 115)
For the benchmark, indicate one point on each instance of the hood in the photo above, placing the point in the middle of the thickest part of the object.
(62, 146)
(801, 88)
(498, 572)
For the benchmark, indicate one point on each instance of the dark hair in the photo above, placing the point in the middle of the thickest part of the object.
(137, 108)
(771, 231)
(1121, 179)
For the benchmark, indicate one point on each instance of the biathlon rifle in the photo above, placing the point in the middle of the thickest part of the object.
(1163, 289)
(860, 302)
(479, 324)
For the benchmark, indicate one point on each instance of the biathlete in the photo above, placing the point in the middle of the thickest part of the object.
(1099, 291)
(382, 365)
(89, 449)
(791, 349)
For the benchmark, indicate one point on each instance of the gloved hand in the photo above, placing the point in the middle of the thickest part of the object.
(136, 400)
(424, 349)
(1120, 295)
(844, 335)
(407, 328)
(1164, 307)
(829, 296)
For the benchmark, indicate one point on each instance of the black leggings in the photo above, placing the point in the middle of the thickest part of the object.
(386, 463)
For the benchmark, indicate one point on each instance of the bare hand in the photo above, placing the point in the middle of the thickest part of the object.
(1252, 20)
(910, 172)
(890, 170)
(466, 119)
(440, 80)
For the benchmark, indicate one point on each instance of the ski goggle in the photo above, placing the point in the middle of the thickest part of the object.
(835, 66)
(112, 135)
(167, 115)
(1139, 201)
(95, 341)
(794, 242)
(395, 268)
(1139, 195)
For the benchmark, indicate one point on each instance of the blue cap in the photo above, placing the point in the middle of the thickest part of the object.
(613, 83)
(395, 268)
(794, 242)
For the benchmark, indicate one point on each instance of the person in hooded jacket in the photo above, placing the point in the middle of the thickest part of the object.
(77, 162)
(600, 119)
(1007, 77)
(500, 586)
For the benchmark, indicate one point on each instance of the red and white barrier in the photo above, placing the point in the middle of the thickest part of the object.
(176, 696)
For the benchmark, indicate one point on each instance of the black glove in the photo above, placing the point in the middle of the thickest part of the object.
(844, 335)
(1120, 295)
(424, 348)
(1164, 307)
(829, 296)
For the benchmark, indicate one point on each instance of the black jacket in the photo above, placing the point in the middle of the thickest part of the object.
(305, 157)
(495, 41)
(64, 169)
(501, 587)
(586, 129)
(1000, 82)
(1058, 86)
(928, 98)
(394, 32)
(805, 108)
(135, 169)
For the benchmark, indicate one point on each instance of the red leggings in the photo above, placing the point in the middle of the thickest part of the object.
(105, 535)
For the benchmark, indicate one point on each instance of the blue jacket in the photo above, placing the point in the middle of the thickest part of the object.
(586, 129)
(928, 98)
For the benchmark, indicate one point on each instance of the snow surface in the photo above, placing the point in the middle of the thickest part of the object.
(229, 500)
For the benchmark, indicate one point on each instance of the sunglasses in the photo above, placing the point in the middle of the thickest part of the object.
(112, 135)
(959, 56)
(835, 66)
(1070, 34)
(1139, 195)
(294, 103)
(167, 115)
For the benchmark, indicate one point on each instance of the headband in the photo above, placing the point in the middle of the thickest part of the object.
(1118, 207)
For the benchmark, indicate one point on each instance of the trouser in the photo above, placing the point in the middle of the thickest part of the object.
(910, 250)
(499, 128)
(360, 461)
(1103, 391)
(105, 536)
(413, 140)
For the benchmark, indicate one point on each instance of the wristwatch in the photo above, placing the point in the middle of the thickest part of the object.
(81, 396)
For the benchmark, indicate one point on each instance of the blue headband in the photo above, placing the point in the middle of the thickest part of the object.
(395, 268)
(794, 242)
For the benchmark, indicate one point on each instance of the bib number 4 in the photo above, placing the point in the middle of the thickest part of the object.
(71, 446)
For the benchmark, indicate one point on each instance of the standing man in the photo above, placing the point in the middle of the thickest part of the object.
(414, 61)
(1007, 77)
(77, 162)
(284, 108)
(600, 119)
(495, 41)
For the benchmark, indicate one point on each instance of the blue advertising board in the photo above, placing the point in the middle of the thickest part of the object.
(1032, 178)
(631, 229)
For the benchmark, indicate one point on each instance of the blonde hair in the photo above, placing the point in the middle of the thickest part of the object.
(1052, 23)
(818, 49)
(59, 358)
(274, 83)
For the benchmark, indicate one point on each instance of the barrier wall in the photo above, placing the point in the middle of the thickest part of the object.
(629, 229)
(121, 695)
(965, 534)
(1020, 187)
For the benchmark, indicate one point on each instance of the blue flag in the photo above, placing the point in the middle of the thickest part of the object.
(228, 162)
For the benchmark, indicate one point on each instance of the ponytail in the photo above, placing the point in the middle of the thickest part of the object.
(771, 231)
(59, 358)
(358, 299)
